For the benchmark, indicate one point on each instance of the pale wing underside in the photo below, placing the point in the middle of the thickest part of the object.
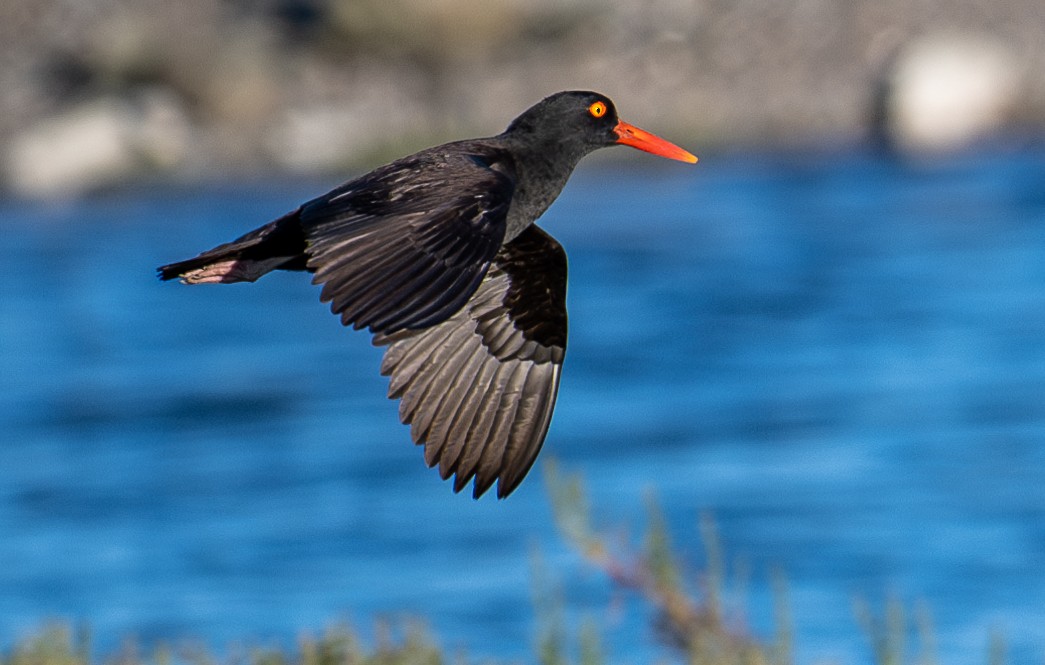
(478, 389)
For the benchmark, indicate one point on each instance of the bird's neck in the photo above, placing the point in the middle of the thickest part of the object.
(542, 172)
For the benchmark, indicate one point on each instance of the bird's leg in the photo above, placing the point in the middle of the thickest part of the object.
(227, 272)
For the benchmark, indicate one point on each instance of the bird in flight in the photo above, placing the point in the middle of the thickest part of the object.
(438, 256)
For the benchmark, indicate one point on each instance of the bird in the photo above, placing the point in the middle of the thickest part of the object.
(437, 255)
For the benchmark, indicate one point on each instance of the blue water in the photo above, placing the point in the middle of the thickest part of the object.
(840, 357)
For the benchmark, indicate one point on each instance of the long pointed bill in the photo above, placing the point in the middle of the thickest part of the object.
(639, 138)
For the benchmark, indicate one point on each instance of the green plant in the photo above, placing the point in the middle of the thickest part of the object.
(691, 616)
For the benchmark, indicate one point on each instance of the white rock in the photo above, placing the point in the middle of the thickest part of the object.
(163, 133)
(97, 144)
(83, 148)
(321, 137)
(948, 91)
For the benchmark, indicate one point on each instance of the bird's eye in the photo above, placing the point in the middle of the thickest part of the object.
(598, 109)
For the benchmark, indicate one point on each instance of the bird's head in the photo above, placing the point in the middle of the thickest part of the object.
(586, 121)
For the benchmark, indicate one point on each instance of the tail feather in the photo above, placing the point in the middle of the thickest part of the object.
(277, 245)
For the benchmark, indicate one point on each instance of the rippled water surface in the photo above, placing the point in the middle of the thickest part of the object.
(841, 358)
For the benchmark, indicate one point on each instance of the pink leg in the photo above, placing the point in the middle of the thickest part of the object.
(226, 272)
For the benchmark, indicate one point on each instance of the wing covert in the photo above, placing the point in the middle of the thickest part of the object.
(405, 246)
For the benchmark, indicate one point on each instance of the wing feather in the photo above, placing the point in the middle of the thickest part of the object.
(478, 389)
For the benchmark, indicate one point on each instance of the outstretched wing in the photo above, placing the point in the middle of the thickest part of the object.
(478, 389)
(405, 246)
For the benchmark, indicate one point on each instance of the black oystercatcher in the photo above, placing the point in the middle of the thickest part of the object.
(438, 256)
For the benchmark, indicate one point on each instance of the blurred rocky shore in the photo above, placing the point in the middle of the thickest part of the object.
(95, 93)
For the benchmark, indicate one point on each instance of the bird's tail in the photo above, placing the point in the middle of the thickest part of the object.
(277, 245)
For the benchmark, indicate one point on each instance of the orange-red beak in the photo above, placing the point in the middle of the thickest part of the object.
(643, 140)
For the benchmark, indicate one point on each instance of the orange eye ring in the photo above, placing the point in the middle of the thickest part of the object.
(598, 109)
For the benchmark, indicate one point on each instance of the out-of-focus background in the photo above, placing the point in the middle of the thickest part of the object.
(100, 91)
(827, 334)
